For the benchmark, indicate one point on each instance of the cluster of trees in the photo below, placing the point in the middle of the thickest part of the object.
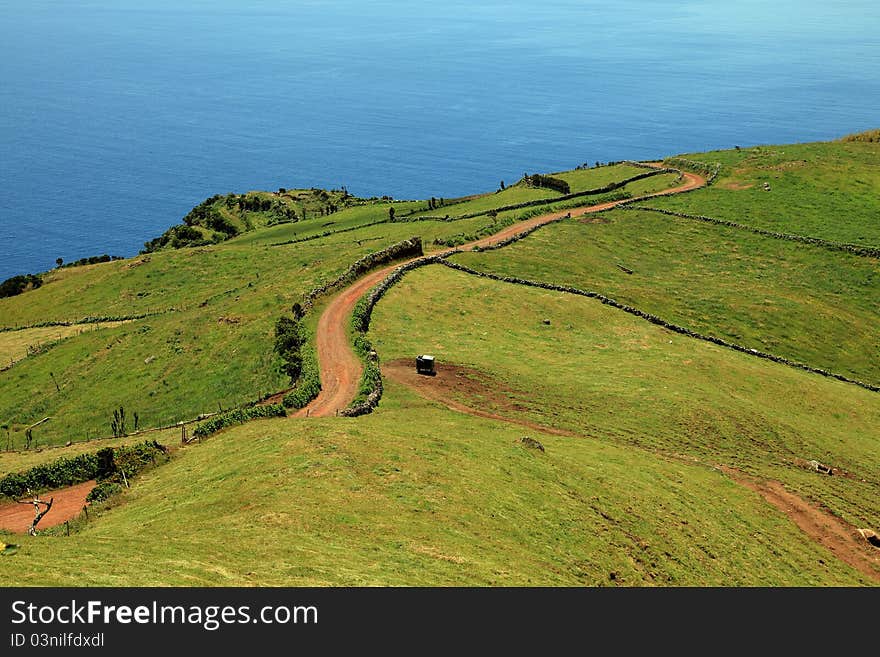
(255, 203)
(177, 237)
(91, 260)
(548, 182)
(18, 284)
(226, 216)
(206, 214)
(199, 214)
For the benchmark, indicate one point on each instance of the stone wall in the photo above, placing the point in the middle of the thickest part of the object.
(660, 322)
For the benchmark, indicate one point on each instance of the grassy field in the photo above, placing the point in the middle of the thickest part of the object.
(581, 180)
(417, 495)
(825, 190)
(805, 303)
(18, 345)
(208, 345)
(606, 374)
(211, 346)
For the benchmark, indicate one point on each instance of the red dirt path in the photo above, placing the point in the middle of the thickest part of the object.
(341, 369)
(68, 504)
(826, 529)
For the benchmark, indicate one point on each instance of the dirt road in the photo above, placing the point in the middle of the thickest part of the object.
(341, 369)
(68, 503)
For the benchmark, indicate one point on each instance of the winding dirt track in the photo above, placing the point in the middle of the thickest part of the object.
(341, 369)
(341, 372)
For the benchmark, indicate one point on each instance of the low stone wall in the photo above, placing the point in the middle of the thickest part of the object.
(865, 251)
(362, 323)
(328, 233)
(366, 406)
(86, 320)
(610, 187)
(660, 322)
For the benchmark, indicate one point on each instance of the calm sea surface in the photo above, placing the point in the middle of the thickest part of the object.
(116, 117)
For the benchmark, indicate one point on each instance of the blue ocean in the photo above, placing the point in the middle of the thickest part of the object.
(116, 116)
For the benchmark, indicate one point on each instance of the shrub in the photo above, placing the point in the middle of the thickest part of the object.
(103, 491)
(309, 384)
(289, 338)
(131, 459)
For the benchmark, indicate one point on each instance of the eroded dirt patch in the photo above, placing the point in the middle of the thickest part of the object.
(466, 390)
(737, 186)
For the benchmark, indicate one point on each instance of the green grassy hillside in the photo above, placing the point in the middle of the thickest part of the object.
(825, 190)
(642, 427)
(201, 331)
(417, 495)
(605, 374)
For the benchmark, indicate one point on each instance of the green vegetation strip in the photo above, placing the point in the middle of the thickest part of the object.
(657, 320)
(237, 416)
(103, 464)
(865, 251)
(84, 320)
(370, 389)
